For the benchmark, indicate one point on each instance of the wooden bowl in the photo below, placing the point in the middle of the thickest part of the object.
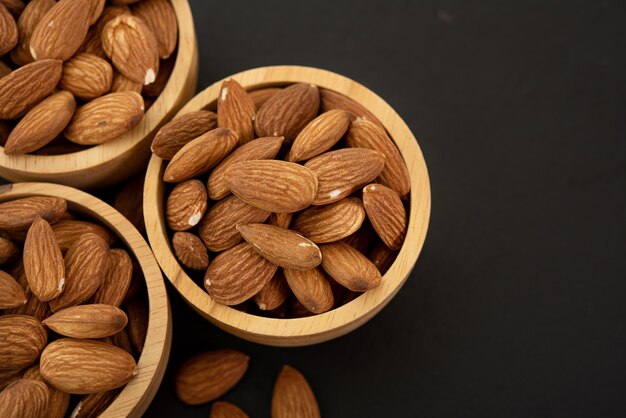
(139, 392)
(318, 328)
(108, 163)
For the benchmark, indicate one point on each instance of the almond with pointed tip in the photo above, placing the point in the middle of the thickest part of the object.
(116, 280)
(332, 222)
(8, 31)
(260, 96)
(311, 288)
(382, 257)
(186, 205)
(190, 251)
(160, 17)
(26, 24)
(235, 110)
(96, 320)
(274, 293)
(224, 409)
(386, 213)
(8, 251)
(293, 397)
(23, 338)
(33, 307)
(25, 398)
(154, 89)
(320, 135)
(332, 100)
(11, 293)
(87, 76)
(181, 130)
(349, 267)
(17, 215)
(68, 231)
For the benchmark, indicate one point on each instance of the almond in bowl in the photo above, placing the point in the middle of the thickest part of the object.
(287, 205)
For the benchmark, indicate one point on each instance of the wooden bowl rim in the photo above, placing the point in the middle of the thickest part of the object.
(153, 360)
(317, 328)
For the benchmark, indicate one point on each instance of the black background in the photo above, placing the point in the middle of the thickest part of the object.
(516, 306)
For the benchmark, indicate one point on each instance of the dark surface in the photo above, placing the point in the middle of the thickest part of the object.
(516, 307)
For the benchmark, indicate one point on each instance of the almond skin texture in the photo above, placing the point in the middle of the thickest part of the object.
(105, 118)
(293, 396)
(87, 76)
(26, 24)
(8, 251)
(132, 47)
(276, 186)
(218, 227)
(43, 261)
(281, 246)
(181, 130)
(332, 100)
(33, 307)
(161, 19)
(61, 31)
(87, 321)
(186, 205)
(288, 111)
(190, 251)
(386, 213)
(84, 366)
(67, 232)
(209, 375)
(200, 155)
(58, 401)
(311, 288)
(93, 41)
(117, 279)
(349, 267)
(154, 89)
(95, 404)
(341, 172)
(223, 409)
(24, 398)
(382, 257)
(274, 293)
(27, 85)
(259, 149)
(235, 110)
(320, 135)
(237, 274)
(23, 338)
(8, 31)
(366, 134)
(123, 83)
(332, 222)
(11, 293)
(41, 124)
(260, 96)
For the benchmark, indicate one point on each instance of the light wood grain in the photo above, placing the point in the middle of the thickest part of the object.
(332, 324)
(139, 392)
(108, 163)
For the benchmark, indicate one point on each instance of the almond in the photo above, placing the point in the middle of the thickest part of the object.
(8, 31)
(93, 41)
(200, 155)
(288, 111)
(24, 398)
(382, 257)
(30, 17)
(18, 215)
(84, 366)
(132, 47)
(190, 251)
(366, 134)
(67, 232)
(259, 149)
(181, 130)
(27, 85)
(276, 186)
(274, 293)
(293, 396)
(311, 288)
(209, 375)
(87, 321)
(218, 227)
(155, 88)
(117, 279)
(61, 31)
(95, 10)
(23, 338)
(224, 409)
(41, 124)
(320, 135)
(33, 307)
(87, 76)
(186, 205)
(129, 202)
(137, 328)
(43, 261)
(105, 118)
(123, 83)
(386, 213)
(362, 238)
(349, 267)
(11, 293)
(332, 100)
(260, 96)
(332, 222)
(58, 401)
(161, 19)
(8, 251)
(281, 219)
(95, 404)
(281, 246)
(341, 172)
(237, 274)
(235, 110)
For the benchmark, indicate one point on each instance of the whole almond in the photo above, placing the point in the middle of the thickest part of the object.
(94, 405)
(41, 124)
(23, 338)
(116, 280)
(24, 398)
(320, 135)
(155, 88)
(293, 396)
(123, 83)
(260, 96)
(218, 227)
(33, 307)
(160, 17)
(87, 321)
(281, 219)
(132, 47)
(61, 31)
(224, 409)
(43, 261)
(276, 186)
(93, 41)
(137, 328)
(8, 251)
(8, 31)
(237, 274)
(382, 257)
(332, 222)
(87, 76)
(67, 232)
(209, 375)
(11, 293)
(366, 134)
(200, 155)
(186, 205)
(281, 246)
(341, 172)
(190, 251)
(311, 288)
(330, 100)
(235, 110)
(85, 366)
(58, 401)
(259, 149)
(274, 293)
(288, 111)
(349, 267)
(105, 118)
(30, 17)
(386, 213)
(181, 130)
(27, 85)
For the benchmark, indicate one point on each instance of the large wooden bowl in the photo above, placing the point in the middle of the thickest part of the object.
(318, 328)
(116, 160)
(139, 392)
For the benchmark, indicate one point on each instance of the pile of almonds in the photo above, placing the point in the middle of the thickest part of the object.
(294, 190)
(81, 71)
(62, 328)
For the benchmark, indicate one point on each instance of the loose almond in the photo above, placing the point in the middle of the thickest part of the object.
(330, 100)
(349, 267)
(23, 338)
(224, 409)
(8, 31)
(235, 110)
(26, 24)
(181, 130)
(117, 279)
(386, 213)
(332, 222)
(311, 288)
(57, 401)
(87, 76)
(67, 232)
(11, 293)
(293, 396)
(155, 88)
(320, 135)
(87, 321)
(190, 251)
(161, 19)
(24, 398)
(43, 261)
(274, 293)
(186, 205)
